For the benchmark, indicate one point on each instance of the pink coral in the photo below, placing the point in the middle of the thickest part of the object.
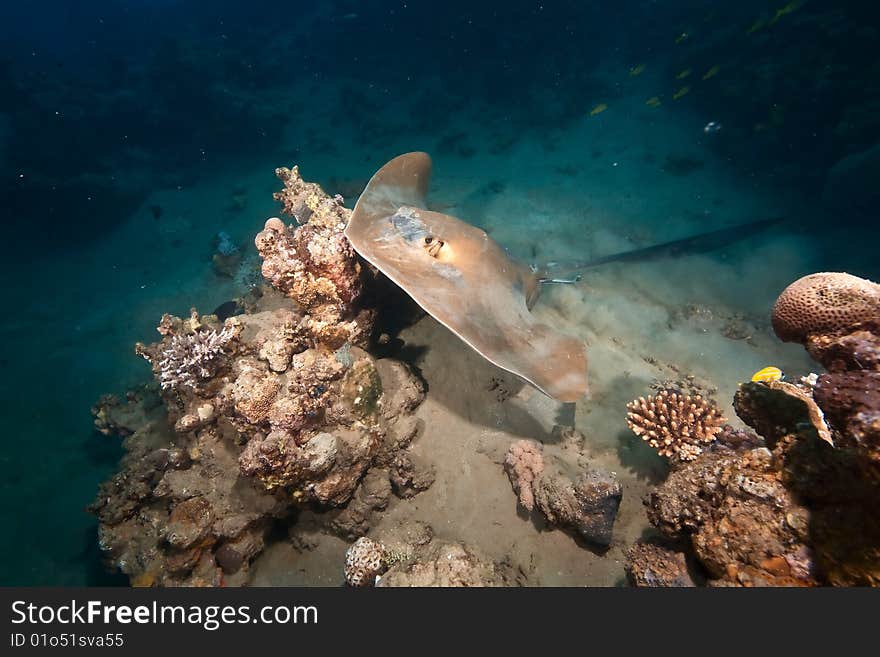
(523, 463)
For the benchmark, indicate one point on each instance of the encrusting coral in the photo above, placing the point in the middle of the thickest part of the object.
(675, 424)
(524, 463)
(800, 505)
(260, 417)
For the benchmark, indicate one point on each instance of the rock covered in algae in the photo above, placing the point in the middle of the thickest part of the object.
(442, 564)
(654, 566)
(587, 504)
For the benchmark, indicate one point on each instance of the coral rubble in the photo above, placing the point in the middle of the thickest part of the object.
(260, 418)
(803, 508)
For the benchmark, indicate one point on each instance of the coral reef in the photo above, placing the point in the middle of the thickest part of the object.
(675, 424)
(804, 507)
(260, 418)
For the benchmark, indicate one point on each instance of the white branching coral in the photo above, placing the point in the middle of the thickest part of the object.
(674, 424)
(191, 357)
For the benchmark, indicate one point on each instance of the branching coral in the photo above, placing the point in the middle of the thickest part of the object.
(675, 424)
(189, 358)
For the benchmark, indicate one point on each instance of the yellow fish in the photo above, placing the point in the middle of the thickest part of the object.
(636, 70)
(653, 101)
(681, 92)
(598, 109)
(681, 76)
(768, 374)
(711, 73)
(682, 37)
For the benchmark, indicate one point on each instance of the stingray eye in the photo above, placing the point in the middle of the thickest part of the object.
(429, 239)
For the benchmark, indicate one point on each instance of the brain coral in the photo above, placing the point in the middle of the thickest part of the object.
(364, 561)
(824, 303)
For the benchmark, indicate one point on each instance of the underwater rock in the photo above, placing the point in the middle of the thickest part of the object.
(444, 565)
(372, 494)
(587, 505)
(776, 409)
(736, 515)
(652, 565)
(410, 475)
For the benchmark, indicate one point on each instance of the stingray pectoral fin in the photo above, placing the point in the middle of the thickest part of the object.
(401, 182)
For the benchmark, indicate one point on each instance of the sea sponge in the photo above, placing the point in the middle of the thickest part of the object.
(365, 560)
(825, 303)
(523, 463)
(674, 423)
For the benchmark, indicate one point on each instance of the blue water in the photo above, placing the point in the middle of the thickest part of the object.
(132, 133)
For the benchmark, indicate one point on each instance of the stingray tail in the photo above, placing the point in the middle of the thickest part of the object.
(570, 272)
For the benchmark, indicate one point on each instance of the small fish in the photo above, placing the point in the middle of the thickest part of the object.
(653, 101)
(757, 25)
(768, 374)
(681, 92)
(712, 127)
(598, 109)
(681, 76)
(712, 72)
(636, 70)
(682, 37)
(791, 7)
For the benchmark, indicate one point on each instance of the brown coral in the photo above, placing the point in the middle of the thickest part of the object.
(364, 561)
(825, 303)
(674, 423)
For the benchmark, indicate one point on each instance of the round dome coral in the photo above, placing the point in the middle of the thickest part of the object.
(824, 303)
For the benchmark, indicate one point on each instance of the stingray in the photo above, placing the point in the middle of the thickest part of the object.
(463, 279)
(468, 282)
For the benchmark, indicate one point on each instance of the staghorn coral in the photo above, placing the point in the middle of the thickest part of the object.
(365, 560)
(824, 304)
(189, 358)
(523, 464)
(674, 423)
